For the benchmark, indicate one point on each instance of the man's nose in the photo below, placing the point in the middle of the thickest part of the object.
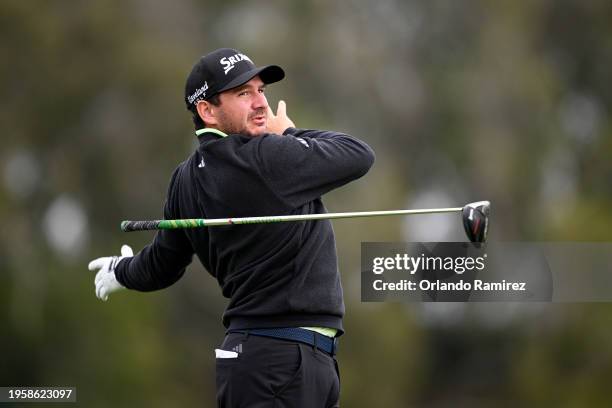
(260, 101)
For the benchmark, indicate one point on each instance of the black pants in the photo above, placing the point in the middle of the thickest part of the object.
(270, 372)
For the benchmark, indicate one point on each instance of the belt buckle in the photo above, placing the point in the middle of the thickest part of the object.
(334, 347)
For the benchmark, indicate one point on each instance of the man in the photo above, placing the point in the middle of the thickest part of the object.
(285, 298)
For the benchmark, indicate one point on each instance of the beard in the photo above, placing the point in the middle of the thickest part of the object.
(230, 126)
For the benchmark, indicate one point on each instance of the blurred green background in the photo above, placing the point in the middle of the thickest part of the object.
(461, 100)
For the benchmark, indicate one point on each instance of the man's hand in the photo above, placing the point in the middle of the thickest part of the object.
(105, 280)
(280, 122)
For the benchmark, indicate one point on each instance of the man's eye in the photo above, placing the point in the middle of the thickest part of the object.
(243, 93)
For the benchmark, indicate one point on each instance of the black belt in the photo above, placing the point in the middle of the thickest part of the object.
(327, 344)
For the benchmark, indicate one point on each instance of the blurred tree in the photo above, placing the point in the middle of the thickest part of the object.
(507, 101)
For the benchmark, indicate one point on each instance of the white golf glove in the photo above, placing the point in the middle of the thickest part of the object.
(106, 282)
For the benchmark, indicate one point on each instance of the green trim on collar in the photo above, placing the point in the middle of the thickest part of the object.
(210, 130)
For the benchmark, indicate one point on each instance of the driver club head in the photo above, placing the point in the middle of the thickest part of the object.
(476, 220)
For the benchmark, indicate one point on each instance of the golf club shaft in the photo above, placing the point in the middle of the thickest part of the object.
(127, 226)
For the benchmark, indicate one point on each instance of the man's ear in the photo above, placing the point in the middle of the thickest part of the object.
(206, 112)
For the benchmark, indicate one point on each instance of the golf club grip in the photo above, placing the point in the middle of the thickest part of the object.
(127, 226)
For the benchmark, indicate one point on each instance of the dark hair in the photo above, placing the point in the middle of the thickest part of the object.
(197, 120)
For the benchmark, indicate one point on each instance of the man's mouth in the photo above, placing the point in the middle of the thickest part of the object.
(259, 120)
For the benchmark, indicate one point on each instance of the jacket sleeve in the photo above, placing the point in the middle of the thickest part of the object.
(161, 263)
(302, 165)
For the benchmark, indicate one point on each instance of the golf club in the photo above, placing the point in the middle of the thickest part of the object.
(475, 218)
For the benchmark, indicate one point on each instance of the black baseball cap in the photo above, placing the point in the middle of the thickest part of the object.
(224, 69)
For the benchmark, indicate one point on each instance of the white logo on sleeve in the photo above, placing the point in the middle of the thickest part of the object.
(302, 141)
(202, 164)
(229, 62)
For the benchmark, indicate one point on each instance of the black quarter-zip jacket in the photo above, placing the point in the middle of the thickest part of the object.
(275, 275)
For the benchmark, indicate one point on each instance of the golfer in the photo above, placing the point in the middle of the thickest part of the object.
(285, 305)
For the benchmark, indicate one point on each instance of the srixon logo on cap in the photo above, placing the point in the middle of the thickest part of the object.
(228, 62)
